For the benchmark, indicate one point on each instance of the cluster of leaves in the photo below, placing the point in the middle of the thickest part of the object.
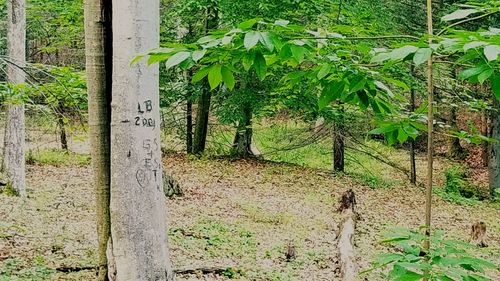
(262, 49)
(446, 260)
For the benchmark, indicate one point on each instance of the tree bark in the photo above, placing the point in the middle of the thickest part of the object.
(203, 109)
(242, 145)
(347, 255)
(139, 247)
(189, 114)
(201, 125)
(62, 130)
(14, 139)
(495, 148)
(98, 53)
(413, 164)
(339, 144)
(430, 131)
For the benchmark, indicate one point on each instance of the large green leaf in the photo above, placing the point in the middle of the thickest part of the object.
(215, 76)
(251, 39)
(249, 23)
(298, 52)
(177, 59)
(199, 54)
(324, 71)
(422, 55)
(331, 92)
(200, 74)
(460, 14)
(266, 40)
(495, 85)
(228, 77)
(491, 52)
(403, 52)
(260, 66)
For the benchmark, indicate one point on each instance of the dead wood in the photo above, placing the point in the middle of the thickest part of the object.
(347, 255)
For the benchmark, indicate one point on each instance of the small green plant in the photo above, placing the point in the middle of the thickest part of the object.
(9, 190)
(446, 260)
(457, 185)
(58, 158)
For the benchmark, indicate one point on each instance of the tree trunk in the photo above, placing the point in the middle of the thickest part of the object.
(413, 172)
(495, 148)
(62, 131)
(98, 53)
(430, 130)
(203, 109)
(242, 145)
(139, 247)
(189, 115)
(456, 150)
(338, 144)
(201, 126)
(189, 126)
(14, 142)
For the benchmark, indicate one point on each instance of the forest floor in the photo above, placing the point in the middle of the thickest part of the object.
(238, 214)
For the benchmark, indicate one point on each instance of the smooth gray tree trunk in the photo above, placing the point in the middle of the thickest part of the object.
(139, 248)
(98, 53)
(14, 141)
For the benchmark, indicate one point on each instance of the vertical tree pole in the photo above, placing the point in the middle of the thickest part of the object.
(139, 248)
(430, 144)
(98, 53)
(413, 173)
(494, 151)
(14, 140)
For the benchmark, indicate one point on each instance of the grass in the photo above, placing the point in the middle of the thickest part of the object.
(289, 142)
(57, 157)
(15, 270)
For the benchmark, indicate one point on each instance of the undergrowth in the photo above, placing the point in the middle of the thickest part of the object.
(57, 157)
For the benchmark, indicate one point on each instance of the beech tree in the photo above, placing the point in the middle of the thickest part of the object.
(14, 142)
(138, 248)
(98, 49)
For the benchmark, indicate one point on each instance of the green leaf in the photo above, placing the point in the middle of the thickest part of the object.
(251, 39)
(206, 39)
(422, 55)
(402, 136)
(248, 60)
(473, 45)
(379, 131)
(260, 66)
(298, 52)
(200, 74)
(215, 76)
(403, 52)
(282, 22)
(471, 72)
(331, 92)
(177, 59)
(460, 14)
(485, 75)
(491, 52)
(324, 71)
(249, 23)
(198, 55)
(266, 40)
(228, 77)
(357, 83)
(495, 85)
(381, 57)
